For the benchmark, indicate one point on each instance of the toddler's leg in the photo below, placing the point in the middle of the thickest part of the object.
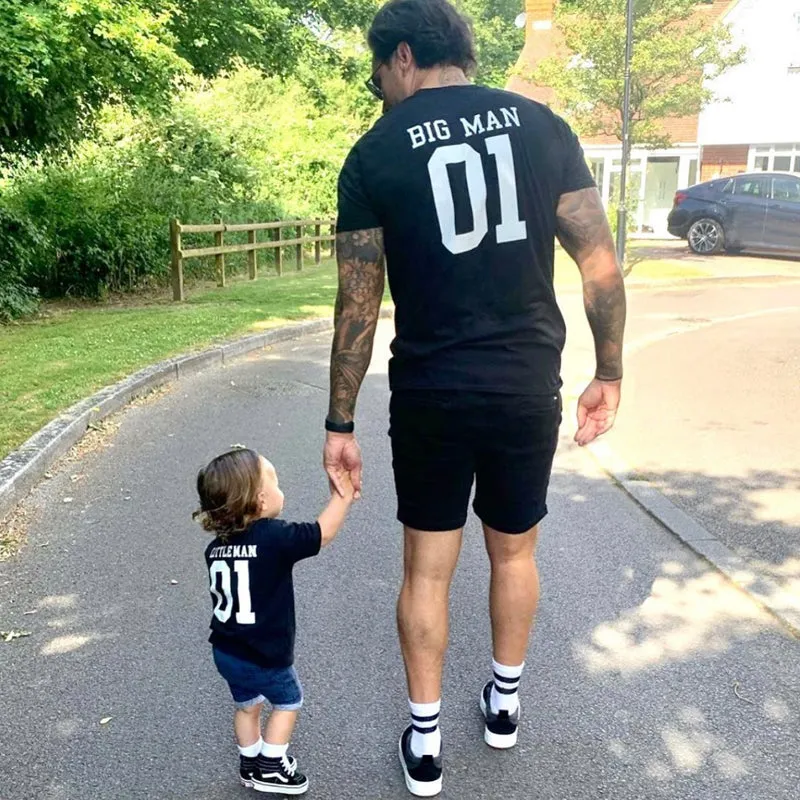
(278, 771)
(247, 726)
(279, 728)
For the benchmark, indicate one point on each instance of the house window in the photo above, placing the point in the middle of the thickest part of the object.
(783, 157)
(597, 167)
(693, 172)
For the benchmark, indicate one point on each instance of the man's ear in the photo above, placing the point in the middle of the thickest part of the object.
(404, 56)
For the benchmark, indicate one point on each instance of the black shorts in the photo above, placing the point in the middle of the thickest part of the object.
(444, 442)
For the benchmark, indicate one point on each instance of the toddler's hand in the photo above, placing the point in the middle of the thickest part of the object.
(348, 489)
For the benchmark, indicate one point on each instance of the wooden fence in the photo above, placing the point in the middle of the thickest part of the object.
(277, 241)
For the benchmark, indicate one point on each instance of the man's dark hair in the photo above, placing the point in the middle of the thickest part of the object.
(434, 30)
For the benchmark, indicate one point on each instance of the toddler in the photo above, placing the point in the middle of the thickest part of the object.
(250, 566)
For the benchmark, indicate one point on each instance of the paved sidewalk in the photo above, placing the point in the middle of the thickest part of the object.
(649, 675)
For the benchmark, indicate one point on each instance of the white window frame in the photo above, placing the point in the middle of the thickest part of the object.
(772, 151)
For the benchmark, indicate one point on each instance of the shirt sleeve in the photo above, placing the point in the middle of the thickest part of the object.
(299, 540)
(575, 174)
(356, 211)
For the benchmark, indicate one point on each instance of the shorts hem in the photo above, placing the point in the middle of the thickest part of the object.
(441, 527)
(288, 706)
(512, 530)
(246, 704)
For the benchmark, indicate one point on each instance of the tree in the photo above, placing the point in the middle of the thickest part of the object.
(61, 60)
(271, 35)
(498, 40)
(675, 48)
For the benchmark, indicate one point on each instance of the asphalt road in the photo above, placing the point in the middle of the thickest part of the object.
(710, 414)
(649, 676)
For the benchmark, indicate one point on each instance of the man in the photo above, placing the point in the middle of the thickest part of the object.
(462, 191)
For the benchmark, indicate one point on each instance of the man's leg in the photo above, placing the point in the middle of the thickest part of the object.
(422, 610)
(513, 592)
(433, 471)
(513, 598)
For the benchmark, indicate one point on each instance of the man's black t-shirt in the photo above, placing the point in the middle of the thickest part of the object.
(252, 589)
(465, 182)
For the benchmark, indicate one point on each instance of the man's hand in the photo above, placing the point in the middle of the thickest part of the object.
(597, 410)
(341, 457)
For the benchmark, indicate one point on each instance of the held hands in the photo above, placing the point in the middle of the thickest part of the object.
(349, 492)
(597, 410)
(341, 459)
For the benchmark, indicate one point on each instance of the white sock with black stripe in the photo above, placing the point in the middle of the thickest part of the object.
(505, 695)
(426, 739)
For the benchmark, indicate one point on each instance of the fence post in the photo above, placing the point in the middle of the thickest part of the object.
(252, 255)
(317, 244)
(177, 262)
(333, 241)
(279, 254)
(299, 232)
(219, 241)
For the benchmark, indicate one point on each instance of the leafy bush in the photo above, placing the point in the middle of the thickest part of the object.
(103, 212)
(18, 240)
(243, 147)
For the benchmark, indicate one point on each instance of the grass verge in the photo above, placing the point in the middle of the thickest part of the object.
(50, 363)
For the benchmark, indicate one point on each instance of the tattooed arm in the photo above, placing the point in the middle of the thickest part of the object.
(358, 303)
(584, 232)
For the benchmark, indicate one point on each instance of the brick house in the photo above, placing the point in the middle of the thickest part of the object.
(757, 128)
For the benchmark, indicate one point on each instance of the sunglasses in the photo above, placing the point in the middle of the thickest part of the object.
(373, 85)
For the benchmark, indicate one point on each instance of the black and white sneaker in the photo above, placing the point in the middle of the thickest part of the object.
(249, 766)
(277, 776)
(423, 775)
(501, 729)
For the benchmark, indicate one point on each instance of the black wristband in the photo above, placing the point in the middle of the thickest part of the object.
(339, 427)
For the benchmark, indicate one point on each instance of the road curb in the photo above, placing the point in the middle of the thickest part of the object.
(765, 591)
(22, 469)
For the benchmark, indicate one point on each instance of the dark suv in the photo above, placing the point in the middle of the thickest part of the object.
(760, 211)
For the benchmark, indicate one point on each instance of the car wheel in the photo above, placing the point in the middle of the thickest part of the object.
(706, 237)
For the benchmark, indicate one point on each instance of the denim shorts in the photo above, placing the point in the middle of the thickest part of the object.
(251, 684)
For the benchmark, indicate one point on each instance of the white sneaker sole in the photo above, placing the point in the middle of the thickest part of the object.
(495, 740)
(284, 790)
(418, 788)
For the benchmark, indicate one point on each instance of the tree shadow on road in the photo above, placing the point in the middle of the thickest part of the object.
(758, 515)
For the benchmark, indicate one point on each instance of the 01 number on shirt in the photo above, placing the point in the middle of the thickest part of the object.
(220, 573)
(511, 227)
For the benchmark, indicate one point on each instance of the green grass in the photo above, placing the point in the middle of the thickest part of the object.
(644, 270)
(48, 364)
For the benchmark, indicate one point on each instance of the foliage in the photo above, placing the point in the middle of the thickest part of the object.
(242, 147)
(674, 48)
(274, 36)
(62, 60)
(498, 40)
(18, 237)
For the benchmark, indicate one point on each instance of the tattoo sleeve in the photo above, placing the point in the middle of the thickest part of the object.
(358, 303)
(584, 232)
